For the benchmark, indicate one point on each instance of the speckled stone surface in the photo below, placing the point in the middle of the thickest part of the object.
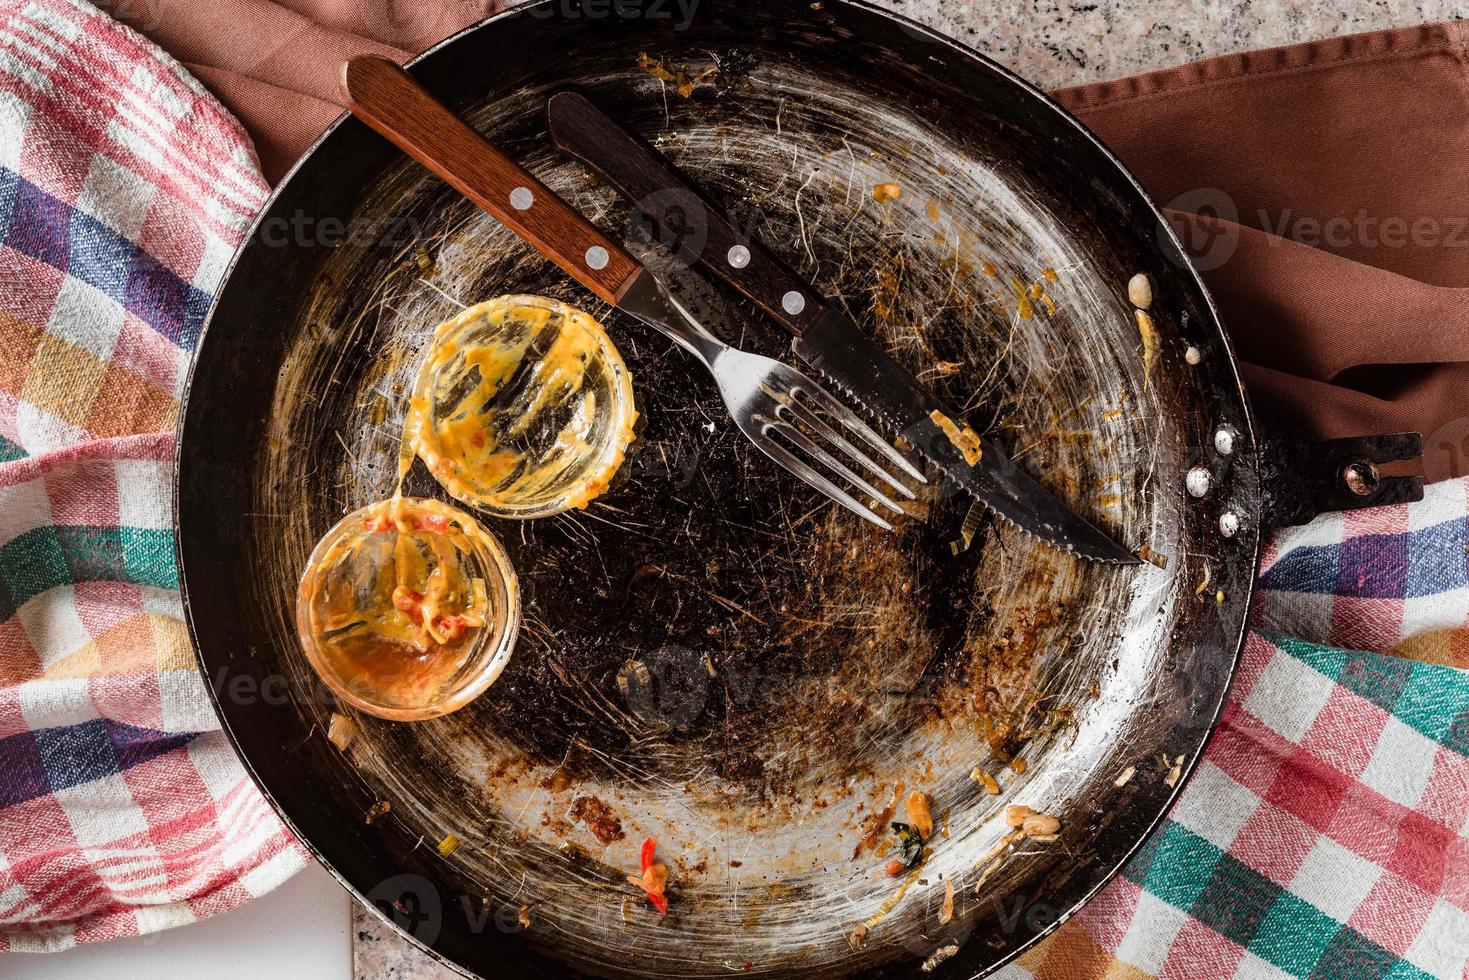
(1053, 44)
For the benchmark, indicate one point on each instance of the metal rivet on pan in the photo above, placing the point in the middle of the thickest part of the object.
(521, 199)
(793, 302)
(738, 256)
(1198, 481)
(1360, 477)
(597, 257)
(1229, 523)
(1193, 355)
(1224, 440)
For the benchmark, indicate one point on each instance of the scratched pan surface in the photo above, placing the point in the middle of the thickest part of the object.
(713, 655)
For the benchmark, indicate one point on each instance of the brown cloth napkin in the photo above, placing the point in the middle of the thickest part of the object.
(1319, 187)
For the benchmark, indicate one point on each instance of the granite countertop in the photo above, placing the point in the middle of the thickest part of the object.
(1053, 44)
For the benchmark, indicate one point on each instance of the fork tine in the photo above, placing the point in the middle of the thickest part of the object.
(799, 467)
(805, 443)
(815, 421)
(854, 422)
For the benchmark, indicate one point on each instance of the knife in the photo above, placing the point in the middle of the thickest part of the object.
(824, 337)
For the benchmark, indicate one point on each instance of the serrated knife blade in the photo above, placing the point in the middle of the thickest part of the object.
(836, 348)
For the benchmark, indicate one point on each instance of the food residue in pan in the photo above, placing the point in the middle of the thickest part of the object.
(965, 439)
(1037, 826)
(730, 70)
(598, 818)
(883, 193)
(1149, 334)
(654, 877)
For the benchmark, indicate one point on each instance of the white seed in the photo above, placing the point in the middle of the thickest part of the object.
(1140, 291)
(1040, 825)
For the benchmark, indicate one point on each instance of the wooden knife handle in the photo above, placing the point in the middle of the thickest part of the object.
(683, 215)
(388, 99)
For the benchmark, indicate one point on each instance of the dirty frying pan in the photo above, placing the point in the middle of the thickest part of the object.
(713, 655)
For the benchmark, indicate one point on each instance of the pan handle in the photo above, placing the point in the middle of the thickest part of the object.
(697, 226)
(392, 102)
(1301, 477)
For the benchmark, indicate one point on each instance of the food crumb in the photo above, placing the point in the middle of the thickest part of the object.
(1022, 295)
(946, 911)
(939, 955)
(983, 778)
(1018, 765)
(524, 917)
(1149, 334)
(341, 731)
(883, 193)
(1140, 291)
(1126, 775)
(918, 814)
(449, 845)
(377, 810)
(1037, 826)
(966, 440)
(598, 818)
(662, 70)
(1152, 557)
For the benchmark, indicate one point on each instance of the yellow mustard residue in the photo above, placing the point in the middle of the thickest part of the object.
(965, 439)
(883, 193)
(1149, 334)
(1022, 296)
(523, 408)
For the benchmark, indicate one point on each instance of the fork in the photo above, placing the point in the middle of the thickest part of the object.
(779, 409)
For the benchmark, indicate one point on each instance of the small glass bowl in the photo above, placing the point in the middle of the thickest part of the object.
(373, 580)
(523, 407)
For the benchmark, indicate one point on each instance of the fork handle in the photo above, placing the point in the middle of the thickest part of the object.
(643, 176)
(391, 101)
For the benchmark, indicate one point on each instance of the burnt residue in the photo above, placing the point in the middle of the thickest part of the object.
(713, 653)
(598, 818)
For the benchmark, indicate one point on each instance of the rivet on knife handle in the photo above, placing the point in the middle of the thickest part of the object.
(391, 101)
(643, 176)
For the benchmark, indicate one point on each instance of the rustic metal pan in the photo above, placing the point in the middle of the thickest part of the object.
(711, 656)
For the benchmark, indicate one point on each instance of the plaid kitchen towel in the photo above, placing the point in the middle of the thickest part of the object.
(1325, 833)
(123, 190)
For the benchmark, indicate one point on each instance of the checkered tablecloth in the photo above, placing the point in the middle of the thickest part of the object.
(1324, 834)
(123, 190)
